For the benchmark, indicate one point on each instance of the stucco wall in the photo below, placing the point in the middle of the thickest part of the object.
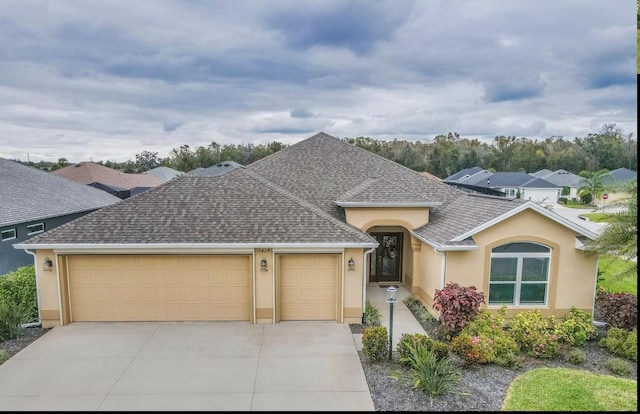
(572, 274)
(427, 280)
(353, 286)
(48, 289)
(365, 218)
(264, 286)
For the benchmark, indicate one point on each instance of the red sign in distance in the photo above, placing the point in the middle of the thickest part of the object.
(605, 196)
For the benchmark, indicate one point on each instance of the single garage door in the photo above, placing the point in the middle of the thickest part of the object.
(308, 287)
(159, 288)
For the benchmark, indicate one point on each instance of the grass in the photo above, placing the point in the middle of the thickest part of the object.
(577, 204)
(608, 266)
(597, 217)
(563, 389)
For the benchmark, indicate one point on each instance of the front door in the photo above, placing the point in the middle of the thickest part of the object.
(386, 260)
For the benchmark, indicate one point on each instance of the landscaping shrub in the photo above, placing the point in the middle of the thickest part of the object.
(576, 327)
(488, 325)
(375, 343)
(534, 334)
(371, 315)
(473, 349)
(409, 341)
(577, 357)
(618, 366)
(12, 316)
(619, 310)
(621, 342)
(562, 200)
(430, 374)
(419, 311)
(457, 305)
(19, 286)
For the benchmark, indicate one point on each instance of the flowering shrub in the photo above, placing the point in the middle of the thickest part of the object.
(474, 349)
(457, 305)
(576, 327)
(535, 335)
(488, 325)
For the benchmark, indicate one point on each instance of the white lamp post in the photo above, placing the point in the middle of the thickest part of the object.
(392, 293)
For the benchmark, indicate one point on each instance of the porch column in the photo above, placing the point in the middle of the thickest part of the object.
(416, 246)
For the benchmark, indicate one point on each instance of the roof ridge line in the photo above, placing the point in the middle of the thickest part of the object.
(286, 148)
(358, 188)
(303, 203)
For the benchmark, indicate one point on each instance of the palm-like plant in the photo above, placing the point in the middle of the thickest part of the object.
(594, 183)
(620, 237)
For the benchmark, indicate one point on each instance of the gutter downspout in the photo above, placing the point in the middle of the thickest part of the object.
(364, 279)
(35, 265)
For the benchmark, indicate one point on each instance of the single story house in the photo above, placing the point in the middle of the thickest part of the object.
(122, 185)
(164, 173)
(215, 169)
(34, 201)
(562, 178)
(301, 235)
(509, 184)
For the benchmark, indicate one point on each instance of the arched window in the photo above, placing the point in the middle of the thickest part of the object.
(519, 274)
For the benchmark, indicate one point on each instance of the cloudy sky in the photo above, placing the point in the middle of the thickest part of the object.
(108, 79)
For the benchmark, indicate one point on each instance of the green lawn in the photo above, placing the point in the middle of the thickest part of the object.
(562, 389)
(609, 266)
(597, 217)
(577, 204)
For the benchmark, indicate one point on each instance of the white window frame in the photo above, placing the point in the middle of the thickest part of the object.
(29, 233)
(520, 256)
(15, 234)
(508, 192)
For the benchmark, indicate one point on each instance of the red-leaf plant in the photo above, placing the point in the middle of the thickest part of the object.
(457, 305)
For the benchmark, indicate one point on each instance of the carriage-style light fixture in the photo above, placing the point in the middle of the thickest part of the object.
(48, 264)
(392, 297)
(352, 264)
(263, 265)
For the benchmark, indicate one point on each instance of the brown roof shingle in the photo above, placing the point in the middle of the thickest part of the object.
(90, 172)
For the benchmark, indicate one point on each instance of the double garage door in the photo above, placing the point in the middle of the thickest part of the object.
(194, 287)
(160, 288)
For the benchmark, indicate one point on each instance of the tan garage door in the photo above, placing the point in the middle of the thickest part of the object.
(308, 287)
(159, 288)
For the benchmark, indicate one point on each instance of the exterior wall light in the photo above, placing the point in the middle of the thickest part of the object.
(352, 264)
(48, 264)
(263, 265)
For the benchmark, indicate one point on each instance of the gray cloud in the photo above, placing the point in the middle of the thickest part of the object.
(85, 79)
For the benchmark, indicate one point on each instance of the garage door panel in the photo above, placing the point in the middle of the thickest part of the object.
(159, 288)
(308, 287)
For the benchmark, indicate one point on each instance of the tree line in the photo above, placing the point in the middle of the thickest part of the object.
(441, 156)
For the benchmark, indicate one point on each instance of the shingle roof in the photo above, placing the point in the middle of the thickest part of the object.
(288, 197)
(216, 169)
(462, 173)
(90, 172)
(562, 178)
(32, 194)
(510, 179)
(464, 214)
(542, 173)
(237, 207)
(164, 173)
(321, 168)
(622, 175)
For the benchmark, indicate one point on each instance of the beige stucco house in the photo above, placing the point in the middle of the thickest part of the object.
(302, 235)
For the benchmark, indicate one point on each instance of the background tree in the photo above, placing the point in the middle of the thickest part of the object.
(592, 183)
(620, 237)
(146, 160)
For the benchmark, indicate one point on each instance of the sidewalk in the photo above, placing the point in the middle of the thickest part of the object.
(403, 319)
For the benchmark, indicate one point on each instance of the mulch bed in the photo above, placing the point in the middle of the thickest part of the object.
(13, 346)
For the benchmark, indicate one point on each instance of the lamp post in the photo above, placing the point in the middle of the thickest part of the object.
(391, 299)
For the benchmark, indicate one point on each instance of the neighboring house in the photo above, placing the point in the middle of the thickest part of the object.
(216, 169)
(122, 185)
(34, 201)
(164, 173)
(509, 184)
(562, 178)
(301, 235)
(621, 176)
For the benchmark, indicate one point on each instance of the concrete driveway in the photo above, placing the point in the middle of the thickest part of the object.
(179, 366)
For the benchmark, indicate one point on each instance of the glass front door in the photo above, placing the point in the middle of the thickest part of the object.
(386, 260)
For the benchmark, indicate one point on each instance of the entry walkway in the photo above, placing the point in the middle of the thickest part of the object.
(403, 319)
